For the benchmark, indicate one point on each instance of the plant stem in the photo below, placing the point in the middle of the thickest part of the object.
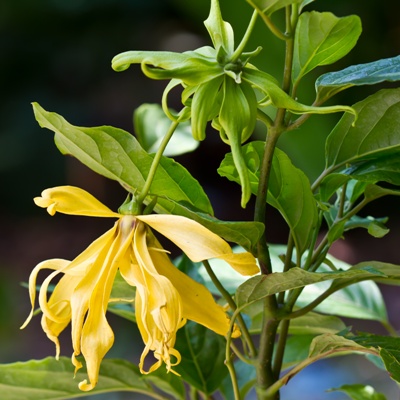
(226, 295)
(239, 50)
(266, 374)
(156, 161)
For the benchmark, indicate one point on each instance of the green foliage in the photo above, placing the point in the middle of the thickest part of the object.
(289, 190)
(360, 392)
(50, 379)
(296, 302)
(322, 39)
(198, 346)
(117, 155)
(327, 85)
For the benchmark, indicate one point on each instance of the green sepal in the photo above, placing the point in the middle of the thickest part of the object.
(221, 32)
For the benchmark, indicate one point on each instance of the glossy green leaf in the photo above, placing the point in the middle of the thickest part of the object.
(203, 355)
(359, 392)
(49, 379)
(388, 69)
(259, 287)
(268, 7)
(289, 189)
(151, 125)
(374, 138)
(117, 155)
(322, 39)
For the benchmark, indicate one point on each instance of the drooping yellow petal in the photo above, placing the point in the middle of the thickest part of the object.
(74, 201)
(199, 243)
(158, 305)
(197, 302)
(97, 336)
(55, 264)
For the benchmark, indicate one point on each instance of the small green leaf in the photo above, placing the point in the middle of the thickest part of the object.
(329, 84)
(359, 392)
(117, 155)
(322, 39)
(49, 379)
(203, 355)
(289, 190)
(374, 138)
(268, 7)
(151, 125)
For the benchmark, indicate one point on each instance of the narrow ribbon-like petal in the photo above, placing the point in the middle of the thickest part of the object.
(198, 242)
(74, 201)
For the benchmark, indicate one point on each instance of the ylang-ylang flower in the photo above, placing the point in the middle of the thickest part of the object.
(165, 297)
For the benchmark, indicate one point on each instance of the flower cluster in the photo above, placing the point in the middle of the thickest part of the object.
(165, 297)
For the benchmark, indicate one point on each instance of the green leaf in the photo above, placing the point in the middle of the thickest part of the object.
(296, 350)
(117, 155)
(289, 190)
(167, 382)
(389, 351)
(304, 3)
(374, 139)
(259, 287)
(322, 39)
(360, 300)
(359, 392)
(328, 344)
(388, 69)
(268, 7)
(49, 379)
(151, 124)
(310, 324)
(203, 355)
(321, 347)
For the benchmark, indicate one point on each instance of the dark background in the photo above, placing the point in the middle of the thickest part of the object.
(58, 53)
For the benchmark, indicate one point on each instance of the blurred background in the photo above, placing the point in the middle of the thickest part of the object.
(58, 53)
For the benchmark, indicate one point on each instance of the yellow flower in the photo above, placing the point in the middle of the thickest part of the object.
(165, 297)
